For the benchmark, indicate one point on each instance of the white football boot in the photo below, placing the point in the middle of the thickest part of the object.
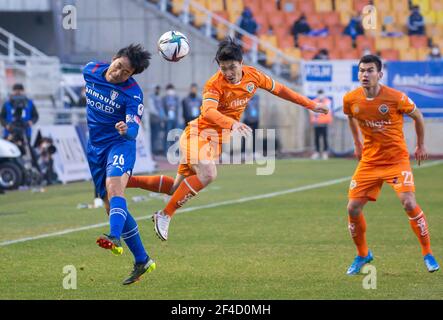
(161, 224)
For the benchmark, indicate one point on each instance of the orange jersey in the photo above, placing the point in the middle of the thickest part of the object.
(380, 120)
(224, 103)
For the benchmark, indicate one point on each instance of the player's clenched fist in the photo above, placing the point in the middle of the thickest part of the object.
(321, 108)
(121, 127)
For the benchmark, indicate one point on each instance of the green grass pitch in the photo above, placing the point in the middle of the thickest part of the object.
(289, 246)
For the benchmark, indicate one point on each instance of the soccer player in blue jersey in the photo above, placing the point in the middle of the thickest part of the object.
(114, 110)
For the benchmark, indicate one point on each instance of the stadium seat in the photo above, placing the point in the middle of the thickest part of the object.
(430, 17)
(343, 42)
(323, 5)
(383, 43)
(383, 5)
(215, 5)
(336, 29)
(307, 42)
(331, 18)
(247, 43)
(345, 17)
(402, 17)
(271, 57)
(358, 5)
(408, 55)
(234, 5)
(307, 54)
(294, 69)
(293, 52)
(262, 23)
(344, 6)
(285, 41)
(270, 39)
(364, 42)
(400, 6)
(436, 5)
(335, 54)
(390, 54)
(422, 53)
(401, 43)
(291, 18)
(306, 6)
(327, 42)
(423, 4)
(350, 54)
(269, 7)
(418, 41)
(177, 6)
(439, 18)
(277, 19)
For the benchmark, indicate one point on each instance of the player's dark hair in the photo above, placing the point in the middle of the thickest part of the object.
(370, 58)
(228, 49)
(137, 55)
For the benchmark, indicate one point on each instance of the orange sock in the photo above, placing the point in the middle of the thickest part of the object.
(419, 225)
(185, 191)
(159, 184)
(357, 228)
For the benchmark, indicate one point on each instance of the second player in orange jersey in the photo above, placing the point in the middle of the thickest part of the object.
(377, 111)
(225, 97)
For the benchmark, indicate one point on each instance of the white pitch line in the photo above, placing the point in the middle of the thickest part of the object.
(212, 205)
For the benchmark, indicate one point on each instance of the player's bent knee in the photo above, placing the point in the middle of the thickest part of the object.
(354, 208)
(409, 203)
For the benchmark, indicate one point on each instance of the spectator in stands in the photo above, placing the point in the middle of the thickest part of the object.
(300, 26)
(191, 104)
(247, 22)
(321, 122)
(18, 114)
(435, 53)
(157, 119)
(322, 54)
(251, 118)
(416, 22)
(171, 104)
(354, 27)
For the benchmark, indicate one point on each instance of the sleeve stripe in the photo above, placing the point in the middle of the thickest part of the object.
(211, 99)
(415, 107)
(273, 85)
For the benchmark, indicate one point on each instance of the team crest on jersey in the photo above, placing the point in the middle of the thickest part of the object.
(383, 109)
(140, 109)
(250, 87)
(114, 95)
(355, 108)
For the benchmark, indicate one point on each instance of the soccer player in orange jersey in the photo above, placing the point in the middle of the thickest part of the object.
(225, 97)
(377, 111)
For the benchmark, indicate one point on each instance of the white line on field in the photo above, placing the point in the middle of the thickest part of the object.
(212, 205)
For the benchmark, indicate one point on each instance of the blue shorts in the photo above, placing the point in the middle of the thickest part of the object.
(111, 161)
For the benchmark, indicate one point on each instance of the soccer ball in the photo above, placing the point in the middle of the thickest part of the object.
(173, 46)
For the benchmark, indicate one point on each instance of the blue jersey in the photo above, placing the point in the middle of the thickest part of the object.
(109, 103)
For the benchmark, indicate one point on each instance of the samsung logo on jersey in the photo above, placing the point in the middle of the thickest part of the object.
(417, 80)
(107, 100)
(318, 72)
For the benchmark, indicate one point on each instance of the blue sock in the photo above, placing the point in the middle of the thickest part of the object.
(117, 216)
(133, 241)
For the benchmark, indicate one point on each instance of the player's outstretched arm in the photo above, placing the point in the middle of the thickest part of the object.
(290, 95)
(353, 125)
(420, 150)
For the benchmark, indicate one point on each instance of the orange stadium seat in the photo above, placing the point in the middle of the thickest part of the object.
(247, 43)
(293, 52)
(436, 5)
(408, 55)
(270, 39)
(271, 57)
(358, 5)
(335, 54)
(401, 43)
(262, 22)
(343, 42)
(327, 42)
(400, 6)
(291, 18)
(390, 54)
(308, 55)
(336, 29)
(383, 43)
(277, 19)
(345, 17)
(307, 42)
(215, 5)
(350, 54)
(294, 69)
(343, 5)
(401, 17)
(418, 41)
(285, 42)
(422, 53)
(306, 6)
(269, 7)
(364, 42)
(177, 6)
(323, 5)
(331, 18)
(430, 17)
(383, 5)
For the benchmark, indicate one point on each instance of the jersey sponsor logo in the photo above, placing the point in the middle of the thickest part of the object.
(101, 106)
(98, 96)
(238, 102)
(114, 95)
(180, 203)
(383, 109)
(422, 225)
(140, 109)
(250, 87)
(376, 124)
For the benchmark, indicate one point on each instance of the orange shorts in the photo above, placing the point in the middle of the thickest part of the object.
(196, 148)
(368, 179)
